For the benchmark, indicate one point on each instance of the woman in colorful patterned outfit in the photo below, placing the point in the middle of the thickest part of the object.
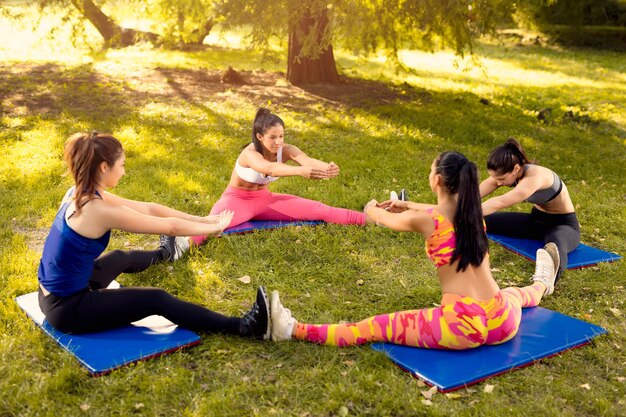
(74, 273)
(262, 162)
(552, 219)
(474, 311)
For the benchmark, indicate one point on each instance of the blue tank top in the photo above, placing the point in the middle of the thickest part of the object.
(67, 260)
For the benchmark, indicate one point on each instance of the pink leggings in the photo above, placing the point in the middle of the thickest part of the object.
(460, 323)
(265, 205)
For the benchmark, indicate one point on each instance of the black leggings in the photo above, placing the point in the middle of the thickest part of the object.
(562, 229)
(97, 308)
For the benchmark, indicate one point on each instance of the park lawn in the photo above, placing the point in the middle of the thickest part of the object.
(182, 130)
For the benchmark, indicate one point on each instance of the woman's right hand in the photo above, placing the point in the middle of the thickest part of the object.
(394, 206)
(225, 217)
(314, 173)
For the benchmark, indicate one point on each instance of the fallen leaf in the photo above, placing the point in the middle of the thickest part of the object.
(85, 407)
(360, 282)
(126, 244)
(429, 394)
(170, 268)
(344, 373)
(495, 270)
(349, 363)
(427, 402)
(200, 272)
(278, 365)
(245, 279)
(616, 312)
(420, 383)
(343, 411)
(488, 389)
(620, 378)
(139, 405)
(453, 396)
(585, 386)
(394, 180)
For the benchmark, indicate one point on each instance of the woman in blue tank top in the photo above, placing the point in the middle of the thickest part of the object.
(75, 270)
(552, 218)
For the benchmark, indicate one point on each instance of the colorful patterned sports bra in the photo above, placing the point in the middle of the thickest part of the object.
(441, 243)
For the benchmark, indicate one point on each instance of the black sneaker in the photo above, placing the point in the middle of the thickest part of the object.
(256, 322)
(173, 248)
(403, 196)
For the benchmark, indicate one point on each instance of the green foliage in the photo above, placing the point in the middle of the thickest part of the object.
(600, 37)
(367, 26)
(576, 12)
(180, 22)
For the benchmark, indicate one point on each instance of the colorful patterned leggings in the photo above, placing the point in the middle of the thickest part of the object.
(265, 205)
(460, 323)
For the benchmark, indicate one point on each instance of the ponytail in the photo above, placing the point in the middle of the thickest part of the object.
(503, 159)
(460, 176)
(84, 152)
(263, 120)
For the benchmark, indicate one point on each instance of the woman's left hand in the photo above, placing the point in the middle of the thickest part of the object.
(333, 170)
(211, 219)
(371, 203)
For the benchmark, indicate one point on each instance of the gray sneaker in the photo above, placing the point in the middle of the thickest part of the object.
(173, 247)
(553, 250)
(282, 320)
(544, 270)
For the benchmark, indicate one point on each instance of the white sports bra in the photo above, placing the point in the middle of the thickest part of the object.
(255, 177)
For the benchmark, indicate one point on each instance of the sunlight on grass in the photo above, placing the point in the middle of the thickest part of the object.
(37, 152)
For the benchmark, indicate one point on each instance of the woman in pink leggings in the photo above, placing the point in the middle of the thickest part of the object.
(264, 161)
(474, 311)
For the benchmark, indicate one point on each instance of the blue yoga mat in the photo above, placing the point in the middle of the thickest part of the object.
(582, 256)
(102, 352)
(543, 333)
(267, 224)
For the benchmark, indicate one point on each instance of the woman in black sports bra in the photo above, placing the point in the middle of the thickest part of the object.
(552, 218)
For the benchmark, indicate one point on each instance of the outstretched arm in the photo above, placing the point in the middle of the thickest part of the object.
(254, 160)
(398, 206)
(407, 221)
(154, 209)
(124, 218)
(487, 187)
(293, 153)
(521, 192)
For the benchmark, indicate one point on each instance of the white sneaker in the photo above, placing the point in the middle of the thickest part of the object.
(282, 321)
(553, 250)
(393, 195)
(182, 246)
(544, 270)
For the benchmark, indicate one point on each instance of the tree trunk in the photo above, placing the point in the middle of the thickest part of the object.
(305, 70)
(113, 34)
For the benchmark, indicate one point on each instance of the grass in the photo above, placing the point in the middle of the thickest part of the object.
(182, 130)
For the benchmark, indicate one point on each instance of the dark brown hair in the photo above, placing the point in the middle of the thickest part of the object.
(460, 176)
(84, 152)
(503, 159)
(263, 120)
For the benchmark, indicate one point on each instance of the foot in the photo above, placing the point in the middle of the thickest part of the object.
(256, 322)
(393, 195)
(544, 270)
(282, 321)
(553, 250)
(403, 196)
(174, 247)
